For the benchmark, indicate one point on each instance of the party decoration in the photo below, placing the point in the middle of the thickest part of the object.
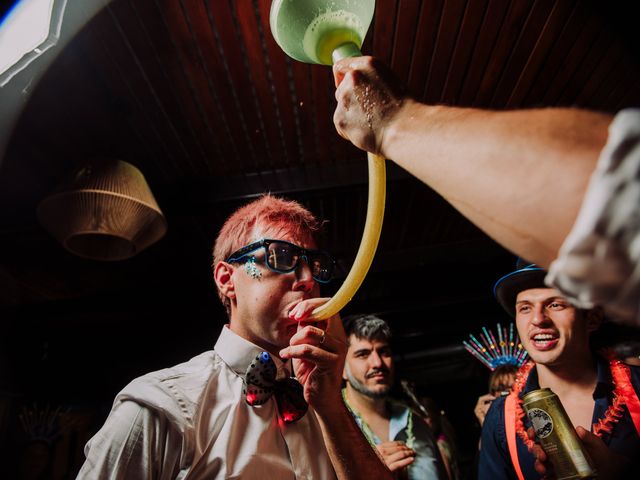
(506, 350)
(261, 385)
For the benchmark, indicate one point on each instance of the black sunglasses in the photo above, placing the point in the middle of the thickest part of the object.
(283, 257)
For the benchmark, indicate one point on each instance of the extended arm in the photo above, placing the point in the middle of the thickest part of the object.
(520, 175)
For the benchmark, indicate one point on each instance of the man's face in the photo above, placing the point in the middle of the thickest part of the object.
(369, 366)
(264, 298)
(552, 330)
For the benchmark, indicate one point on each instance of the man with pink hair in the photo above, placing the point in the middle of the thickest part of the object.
(265, 402)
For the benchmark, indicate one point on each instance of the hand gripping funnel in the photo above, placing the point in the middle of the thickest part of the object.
(310, 30)
(324, 31)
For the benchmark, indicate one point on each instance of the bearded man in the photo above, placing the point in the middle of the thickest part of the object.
(402, 438)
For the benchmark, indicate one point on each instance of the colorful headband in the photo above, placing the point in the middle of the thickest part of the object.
(506, 351)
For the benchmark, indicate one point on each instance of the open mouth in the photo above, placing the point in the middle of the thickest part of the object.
(544, 341)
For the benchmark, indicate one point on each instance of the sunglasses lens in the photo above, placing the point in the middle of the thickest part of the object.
(282, 257)
(321, 266)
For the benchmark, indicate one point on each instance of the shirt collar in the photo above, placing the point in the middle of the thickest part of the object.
(605, 381)
(238, 353)
(399, 419)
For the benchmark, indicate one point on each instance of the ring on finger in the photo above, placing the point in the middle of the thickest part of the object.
(323, 337)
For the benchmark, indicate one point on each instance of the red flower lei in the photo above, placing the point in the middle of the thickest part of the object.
(622, 387)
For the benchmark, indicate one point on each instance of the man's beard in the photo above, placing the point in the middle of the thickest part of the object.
(362, 389)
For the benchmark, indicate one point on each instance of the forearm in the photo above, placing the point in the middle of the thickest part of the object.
(351, 455)
(519, 175)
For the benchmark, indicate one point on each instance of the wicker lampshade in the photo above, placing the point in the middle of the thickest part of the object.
(106, 212)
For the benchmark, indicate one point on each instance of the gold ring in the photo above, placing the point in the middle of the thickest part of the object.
(323, 337)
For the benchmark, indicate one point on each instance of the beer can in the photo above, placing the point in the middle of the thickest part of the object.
(556, 435)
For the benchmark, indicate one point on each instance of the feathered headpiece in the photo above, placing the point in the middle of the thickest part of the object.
(506, 351)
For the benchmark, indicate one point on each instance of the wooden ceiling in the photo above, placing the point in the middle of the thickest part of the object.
(198, 96)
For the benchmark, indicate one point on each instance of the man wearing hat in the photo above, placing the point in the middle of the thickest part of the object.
(599, 395)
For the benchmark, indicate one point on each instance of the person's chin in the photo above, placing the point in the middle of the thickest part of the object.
(548, 358)
(380, 390)
(275, 340)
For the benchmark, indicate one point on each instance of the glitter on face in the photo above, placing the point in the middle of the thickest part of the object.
(251, 269)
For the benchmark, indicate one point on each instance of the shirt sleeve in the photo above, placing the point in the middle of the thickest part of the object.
(495, 462)
(134, 443)
(599, 262)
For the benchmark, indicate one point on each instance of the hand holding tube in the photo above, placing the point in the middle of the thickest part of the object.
(369, 98)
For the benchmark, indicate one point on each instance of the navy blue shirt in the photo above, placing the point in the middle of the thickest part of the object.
(495, 461)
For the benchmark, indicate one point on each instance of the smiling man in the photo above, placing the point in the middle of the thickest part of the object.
(592, 389)
(237, 411)
(402, 439)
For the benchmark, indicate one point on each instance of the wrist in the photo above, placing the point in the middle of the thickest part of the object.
(331, 408)
(398, 125)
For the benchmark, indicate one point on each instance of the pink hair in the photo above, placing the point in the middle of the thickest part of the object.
(271, 216)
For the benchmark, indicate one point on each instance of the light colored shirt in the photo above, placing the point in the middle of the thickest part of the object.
(599, 261)
(192, 422)
(416, 434)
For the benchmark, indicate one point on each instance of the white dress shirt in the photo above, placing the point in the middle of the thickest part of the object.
(192, 422)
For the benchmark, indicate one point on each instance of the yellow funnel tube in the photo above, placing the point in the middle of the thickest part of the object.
(372, 226)
(325, 31)
(368, 244)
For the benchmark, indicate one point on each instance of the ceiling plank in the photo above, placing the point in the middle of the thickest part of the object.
(424, 45)
(240, 86)
(209, 67)
(491, 25)
(529, 36)
(590, 31)
(463, 51)
(267, 111)
(507, 37)
(139, 62)
(278, 70)
(384, 28)
(546, 43)
(448, 31)
(405, 32)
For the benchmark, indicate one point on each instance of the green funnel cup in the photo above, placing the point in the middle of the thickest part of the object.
(311, 30)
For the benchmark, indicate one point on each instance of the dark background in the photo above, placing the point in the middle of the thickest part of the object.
(201, 99)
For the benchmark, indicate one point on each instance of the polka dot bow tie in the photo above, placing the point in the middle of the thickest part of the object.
(261, 385)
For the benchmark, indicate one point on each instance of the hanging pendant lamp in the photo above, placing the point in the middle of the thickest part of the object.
(105, 212)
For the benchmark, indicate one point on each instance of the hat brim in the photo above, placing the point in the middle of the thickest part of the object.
(507, 288)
